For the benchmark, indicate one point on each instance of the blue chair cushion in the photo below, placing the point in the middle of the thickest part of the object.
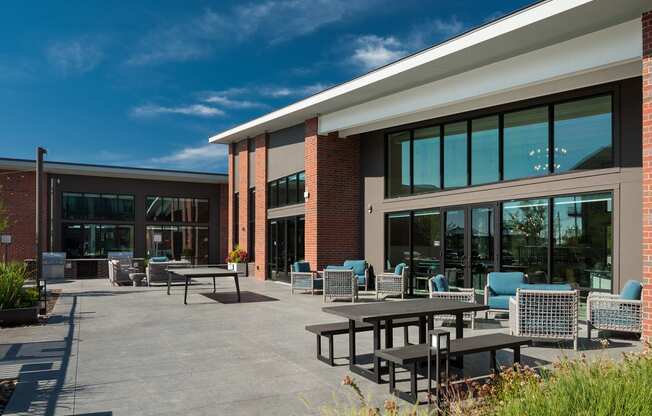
(399, 268)
(505, 283)
(441, 283)
(318, 283)
(333, 267)
(361, 280)
(158, 259)
(544, 286)
(358, 266)
(301, 267)
(631, 290)
(499, 302)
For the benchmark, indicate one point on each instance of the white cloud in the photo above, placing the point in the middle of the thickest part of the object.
(226, 102)
(76, 56)
(190, 110)
(292, 91)
(272, 21)
(205, 156)
(373, 51)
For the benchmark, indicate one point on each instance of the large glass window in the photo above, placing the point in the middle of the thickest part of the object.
(292, 189)
(525, 151)
(282, 192)
(178, 242)
(85, 206)
(398, 164)
(525, 238)
(583, 235)
(164, 209)
(455, 156)
(583, 134)
(484, 150)
(427, 176)
(482, 245)
(96, 240)
(397, 239)
(426, 250)
(273, 194)
(158, 209)
(301, 186)
(286, 191)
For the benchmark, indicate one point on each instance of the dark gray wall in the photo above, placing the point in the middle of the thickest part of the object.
(286, 152)
(624, 181)
(140, 189)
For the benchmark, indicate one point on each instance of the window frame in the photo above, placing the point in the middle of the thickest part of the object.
(549, 101)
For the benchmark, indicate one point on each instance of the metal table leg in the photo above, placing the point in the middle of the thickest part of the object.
(459, 334)
(185, 292)
(237, 286)
(214, 287)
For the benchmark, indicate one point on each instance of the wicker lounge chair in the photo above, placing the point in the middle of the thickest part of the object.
(622, 313)
(439, 289)
(157, 271)
(340, 284)
(393, 283)
(545, 314)
(120, 265)
(301, 278)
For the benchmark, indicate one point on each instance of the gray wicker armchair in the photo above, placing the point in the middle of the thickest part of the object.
(340, 284)
(608, 312)
(545, 314)
(454, 293)
(392, 283)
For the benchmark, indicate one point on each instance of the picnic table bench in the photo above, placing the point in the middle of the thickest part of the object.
(410, 356)
(341, 328)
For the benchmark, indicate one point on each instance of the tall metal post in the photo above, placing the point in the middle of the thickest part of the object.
(39, 210)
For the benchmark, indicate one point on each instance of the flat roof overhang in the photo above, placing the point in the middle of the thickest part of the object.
(63, 168)
(536, 27)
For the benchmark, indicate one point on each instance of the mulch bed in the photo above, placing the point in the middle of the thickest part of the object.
(7, 387)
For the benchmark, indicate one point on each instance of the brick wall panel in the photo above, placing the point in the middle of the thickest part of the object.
(647, 175)
(18, 192)
(261, 207)
(243, 191)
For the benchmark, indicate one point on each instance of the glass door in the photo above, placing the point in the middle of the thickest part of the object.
(455, 259)
(286, 245)
(273, 249)
(426, 248)
(483, 245)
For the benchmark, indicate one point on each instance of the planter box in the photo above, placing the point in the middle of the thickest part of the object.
(21, 316)
(241, 268)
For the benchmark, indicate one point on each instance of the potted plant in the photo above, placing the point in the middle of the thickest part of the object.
(18, 304)
(237, 260)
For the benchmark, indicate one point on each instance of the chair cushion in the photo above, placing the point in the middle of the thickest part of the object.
(399, 268)
(505, 283)
(631, 290)
(546, 286)
(499, 302)
(361, 280)
(358, 266)
(301, 267)
(441, 283)
(158, 259)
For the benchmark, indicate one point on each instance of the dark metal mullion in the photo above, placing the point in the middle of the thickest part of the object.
(468, 278)
(498, 235)
(551, 138)
(501, 146)
(411, 161)
(469, 171)
(410, 235)
(441, 157)
(551, 221)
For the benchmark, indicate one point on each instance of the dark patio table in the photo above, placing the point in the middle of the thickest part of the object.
(199, 272)
(377, 312)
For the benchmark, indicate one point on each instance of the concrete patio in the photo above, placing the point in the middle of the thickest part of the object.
(123, 350)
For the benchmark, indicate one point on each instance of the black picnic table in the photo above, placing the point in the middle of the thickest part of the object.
(378, 312)
(199, 272)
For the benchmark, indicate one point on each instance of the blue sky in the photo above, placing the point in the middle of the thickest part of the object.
(146, 83)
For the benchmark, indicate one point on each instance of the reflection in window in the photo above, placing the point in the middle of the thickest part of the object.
(484, 150)
(282, 192)
(96, 240)
(583, 134)
(482, 246)
(397, 240)
(427, 176)
(158, 209)
(398, 168)
(455, 254)
(301, 186)
(526, 143)
(292, 189)
(286, 191)
(426, 247)
(455, 140)
(273, 194)
(163, 209)
(525, 238)
(84, 206)
(583, 235)
(178, 242)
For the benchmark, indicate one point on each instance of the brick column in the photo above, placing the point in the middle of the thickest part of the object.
(243, 191)
(646, 22)
(18, 192)
(230, 191)
(333, 228)
(261, 207)
(223, 226)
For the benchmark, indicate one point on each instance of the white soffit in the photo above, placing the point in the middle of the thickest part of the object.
(616, 45)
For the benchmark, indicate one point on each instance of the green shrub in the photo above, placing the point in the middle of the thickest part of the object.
(12, 293)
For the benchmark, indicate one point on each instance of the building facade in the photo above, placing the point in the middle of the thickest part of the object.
(520, 145)
(91, 210)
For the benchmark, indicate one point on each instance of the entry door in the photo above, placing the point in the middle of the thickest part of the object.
(273, 249)
(470, 245)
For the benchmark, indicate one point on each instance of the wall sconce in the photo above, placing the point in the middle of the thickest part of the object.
(306, 195)
(370, 208)
(439, 343)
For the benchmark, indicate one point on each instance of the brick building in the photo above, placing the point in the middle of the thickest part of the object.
(90, 210)
(522, 145)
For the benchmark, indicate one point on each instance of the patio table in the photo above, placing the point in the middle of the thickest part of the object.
(199, 272)
(377, 312)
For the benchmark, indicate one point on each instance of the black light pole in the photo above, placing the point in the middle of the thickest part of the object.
(39, 247)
